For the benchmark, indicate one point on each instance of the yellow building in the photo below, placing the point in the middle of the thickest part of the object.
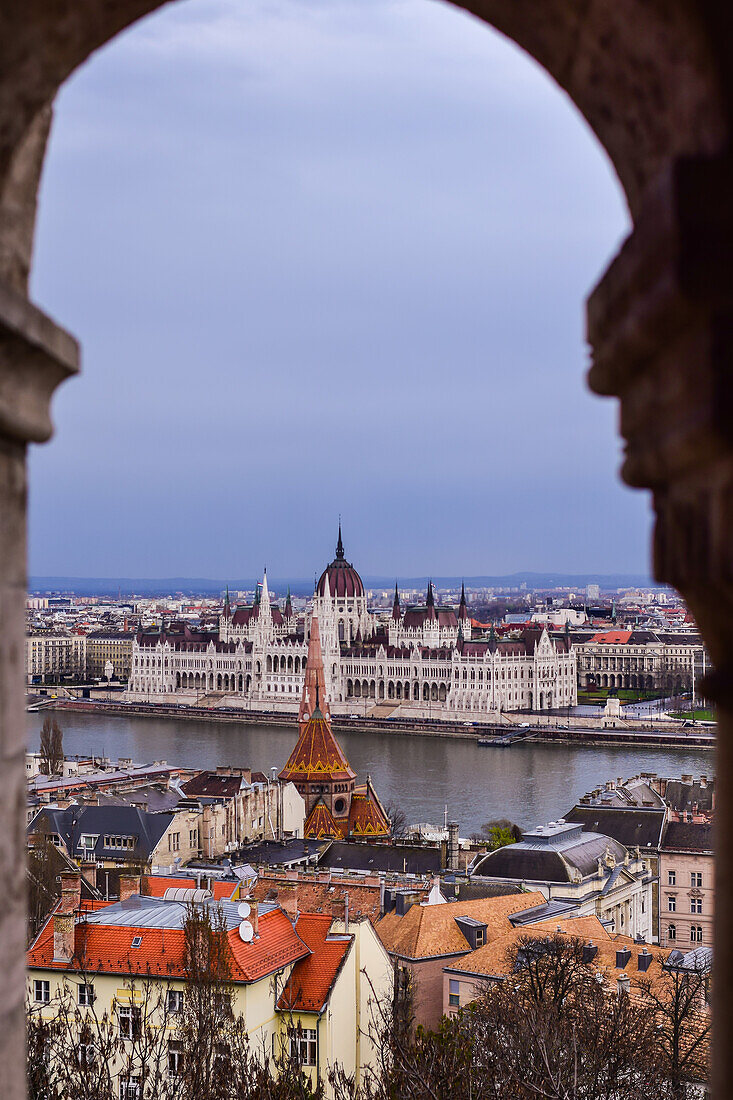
(307, 985)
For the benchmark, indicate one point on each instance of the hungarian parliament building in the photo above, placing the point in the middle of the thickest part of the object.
(423, 660)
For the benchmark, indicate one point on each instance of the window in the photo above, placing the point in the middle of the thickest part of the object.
(130, 1088)
(85, 993)
(174, 842)
(175, 1000)
(175, 1057)
(696, 905)
(41, 991)
(696, 878)
(128, 1018)
(303, 1045)
(223, 1004)
(137, 941)
(87, 841)
(193, 838)
(671, 878)
(696, 933)
(672, 903)
(672, 932)
(85, 1053)
(454, 992)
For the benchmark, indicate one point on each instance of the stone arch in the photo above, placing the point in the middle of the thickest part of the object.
(381, 689)
(650, 78)
(268, 664)
(296, 666)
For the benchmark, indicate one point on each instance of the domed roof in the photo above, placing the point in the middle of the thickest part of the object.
(343, 579)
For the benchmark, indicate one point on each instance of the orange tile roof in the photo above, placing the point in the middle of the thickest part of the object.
(317, 754)
(612, 637)
(312, 978)
(426, 931)
(107, 949)
(320, 823)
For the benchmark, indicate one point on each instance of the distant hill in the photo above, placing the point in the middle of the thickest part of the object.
(196, 586)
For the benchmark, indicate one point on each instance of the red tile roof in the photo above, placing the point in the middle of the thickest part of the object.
(107, 949)
(612, 637)
(312, 978)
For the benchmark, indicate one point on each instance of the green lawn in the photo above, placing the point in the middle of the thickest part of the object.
(701, 714)
(626, 695)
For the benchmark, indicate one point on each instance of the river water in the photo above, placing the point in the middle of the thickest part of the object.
(527, 783)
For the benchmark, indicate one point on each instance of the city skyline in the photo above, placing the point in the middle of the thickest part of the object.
(318, 248)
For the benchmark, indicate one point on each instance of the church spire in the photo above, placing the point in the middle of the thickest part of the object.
(227, 608)
(396, 604)
(288, 606)
(314, 684)
(430, 599)
(340, 545)
(462, 609)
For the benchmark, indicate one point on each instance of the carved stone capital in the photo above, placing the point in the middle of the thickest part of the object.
(35, 356)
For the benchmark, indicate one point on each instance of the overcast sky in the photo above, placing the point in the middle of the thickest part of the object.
(325, 256)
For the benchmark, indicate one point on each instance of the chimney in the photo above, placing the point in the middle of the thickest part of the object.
(589, 951)
(89, 871)
(452, 856)
(623, 984)
(70, 891)
(129, 885)
(643, 960)
(622, 957)
(346, 913)
(254, 918)
(287, 897)
(338, 909)
(63, 937)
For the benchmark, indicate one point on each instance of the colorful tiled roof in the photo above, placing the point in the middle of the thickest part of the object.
(312, 978)
(317, 754)
(426, 931)
(320, 823)
(366, 816)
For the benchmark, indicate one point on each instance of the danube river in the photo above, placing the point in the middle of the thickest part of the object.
(527, 783)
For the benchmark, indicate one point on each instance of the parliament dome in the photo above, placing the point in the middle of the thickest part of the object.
(343, 579)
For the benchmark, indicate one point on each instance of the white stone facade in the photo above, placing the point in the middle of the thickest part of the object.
(425, 659)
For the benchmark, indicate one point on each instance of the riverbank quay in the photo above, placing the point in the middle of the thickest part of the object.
(546, 728)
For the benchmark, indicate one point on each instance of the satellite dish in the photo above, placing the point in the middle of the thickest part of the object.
(246, 931)
(244, 909)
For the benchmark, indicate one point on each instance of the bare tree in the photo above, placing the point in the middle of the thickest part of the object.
(52, 746)
(397, 818)
(683, 1022)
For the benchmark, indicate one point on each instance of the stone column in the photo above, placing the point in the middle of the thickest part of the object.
(35, 355)
(660, 326)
